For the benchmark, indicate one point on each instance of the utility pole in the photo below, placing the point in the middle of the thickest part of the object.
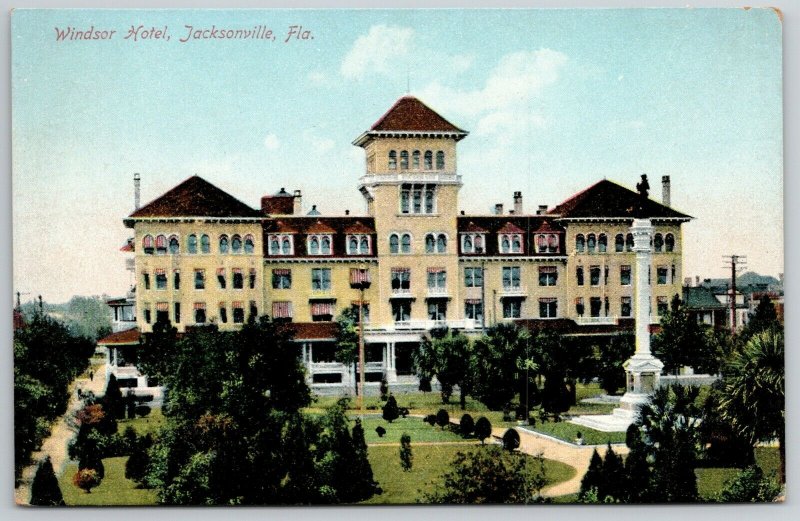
(735, 263)
(362, 282)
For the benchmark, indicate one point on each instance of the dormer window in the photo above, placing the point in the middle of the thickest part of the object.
(510, 243)
(473, 243)
(280, 244)
(547, 243)
(148, 244)
(161, 245)
(319, 244)
(358, 244)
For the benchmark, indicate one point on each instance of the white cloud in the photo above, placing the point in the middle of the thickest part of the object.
(271, 142)
(377, 51)
(320, 145)
(317, 77)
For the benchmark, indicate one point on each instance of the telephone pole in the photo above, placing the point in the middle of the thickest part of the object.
(735, 263)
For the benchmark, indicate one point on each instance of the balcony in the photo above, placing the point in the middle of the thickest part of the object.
(401, 293)
(437, 291)
(513, 291)
(319, 293)
(597, 321)
(426, 325)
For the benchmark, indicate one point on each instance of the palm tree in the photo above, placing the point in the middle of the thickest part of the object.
(753, 392)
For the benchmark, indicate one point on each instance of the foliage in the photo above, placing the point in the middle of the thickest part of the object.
(491, 475)
(442, 418)
(384, 388)
(380, 431)
(592, 479)
(466, 426)
(483, 428)
(155, 351)
(511, 440)
(450, 357)
(136, 466)
(44, 489)
(750, 486)
(722, 445)
(86, 479)
(113, 403)
(762, 319)
(347, 340)
(406, 457)
(431, 419)
(682, 342)
(614, 484)
(610, 357)
(753, 395)
(425, 384)
(556, 365)
(502, 358)
(390, 410)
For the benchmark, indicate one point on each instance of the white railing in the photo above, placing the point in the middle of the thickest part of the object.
(513, 290)
(437, 291)
(595, 321)
(412, 177)
(321, 292)
(401, 291)
(425, 325)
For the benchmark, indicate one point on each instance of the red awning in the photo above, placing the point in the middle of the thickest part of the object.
(162, 306)
(547, 269)
(281, 310)
(322, 308)
(357, 275)
(199, 305)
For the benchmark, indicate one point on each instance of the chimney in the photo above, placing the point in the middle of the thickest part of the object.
(298, 203)
(665, 199)
(518, 203)
(347, 212)
(542, 209)
(687, 282)
(498, 209)
(136, 191)
(462, 212)
(282, 203)
(696, 280)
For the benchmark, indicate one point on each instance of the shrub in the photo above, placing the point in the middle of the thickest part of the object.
(130, 406)
(142, 411)
(511, 440)
(404, 411)
(86, 479)
(136, 466)
(483, 428)
(591, 480)
(406, 457)
(384, 389)
(381, 431)
(431, 418)
(425, 385)
(44, 489)
(466, 425)
(750, 486)
(113, 402)
(442, 418)
(390, 410)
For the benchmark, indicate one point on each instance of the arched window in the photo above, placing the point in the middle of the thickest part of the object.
(274, 246)
(602, 243)
(313, 246)
(236, 244)
(428, 160)
(516, 244)
(439, 160)
(467, 243)
(364, 245)
(430, 243)
(326, 245)
(669, 242)
(505, 244)
(174, 246)
(147, 244)
(406, 243)
(591, 242)
(541, 243)
(441, 243)
(619, 243)
(161, 245)
(394, 243)
(392, 160)
(223, 244)
(580, 243)
(286, 246)
(352, 244)
(191, 245)
(205, 244)
(404, 160)
(415, 160)
(629, 242)
(658, 242)
(552, 243)
(249, 244)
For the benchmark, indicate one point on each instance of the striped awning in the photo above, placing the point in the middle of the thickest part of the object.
(359, 302)
(472, 301)
(237, 304)
(547, 269)
(237, 271)
(322, 308)
(161, 242)
(436, 270)
(281, 271)
(252, 272)
(281, 310)
(358, 275)
(547, 300)
(199, 305)
(542, 240)
(162, 306)
(147, 241)
(579, 300)
(221, 271)
(401, 270)
(176, 270)
(160, 271)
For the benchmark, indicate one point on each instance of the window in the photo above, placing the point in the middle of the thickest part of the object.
(174, 245)
(658, 243)
(625, 307)
(661, 275)
(223, 313)
(392, 160)
(280, 244)
(238, 278)
(358, 244)
(591, 243)
(319, 244)
(510, 243)
(669, 243)
(602, 243)
(146, 280)
(594, 275)
(579, 309)
(146, 313)
(321, 279)
(439, 160)
(401, 280)
(580, 243)
(161, 278)
(548, 308)
(625, 275)
(512, 308)
(437, 278)
(199, 279)
(415, 160)
(430, 243)
(281, 279)
(359, 278)
(176, 279)
(161, 245)
(249, 244)
(147, 244)
(191, 245)
(287, 246)
(162, 312)
(511, 277)
(629, 242)
(221, 278)
(473, 309)
(238, 312)
(619, 243)
(579, 275)
(405, 243)
(236, 244)
(223, 244)
(473, 277)
(594, 306)
(437, 309)
(253, 309)
(662, 306)
(472, 243)
(418, 198)
(199, 312)
(435, 243)
(548, 275)
(394, 243)
(205, 244)
(428, 160)
(322, 311)
(282, 311)
(177, 308)
(252, 278)
(363, 308)
(401, 310)
(404, 160)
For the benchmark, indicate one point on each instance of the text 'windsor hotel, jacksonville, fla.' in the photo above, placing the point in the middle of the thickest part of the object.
(202, 256)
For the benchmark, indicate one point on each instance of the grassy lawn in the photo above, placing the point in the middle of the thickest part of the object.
(430, 462)
(113, 490)
(414, 427)
(568, 432)
(147, 425)
(711, 481)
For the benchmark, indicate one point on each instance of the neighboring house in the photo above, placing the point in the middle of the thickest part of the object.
(750, 287)
(202, 256)
(703, 304)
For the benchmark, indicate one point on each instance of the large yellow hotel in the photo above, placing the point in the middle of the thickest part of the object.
(204, 257)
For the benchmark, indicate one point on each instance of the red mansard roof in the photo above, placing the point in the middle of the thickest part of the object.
(471, 227)
(359, 227)
(510, 228)
(410, 114)
(196, 197)
(320, 227)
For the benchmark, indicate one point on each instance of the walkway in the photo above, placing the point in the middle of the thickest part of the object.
(63, 431)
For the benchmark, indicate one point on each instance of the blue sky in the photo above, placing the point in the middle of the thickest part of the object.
(554, 100)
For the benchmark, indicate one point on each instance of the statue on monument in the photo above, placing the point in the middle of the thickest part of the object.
(643, 187)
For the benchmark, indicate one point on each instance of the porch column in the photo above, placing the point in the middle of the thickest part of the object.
(391, 372)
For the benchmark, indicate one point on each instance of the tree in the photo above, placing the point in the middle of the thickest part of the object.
(466, 425)
(425, 384)
(614, 482)
(347, 340)
(503, 360)
(750, 486)
(86, 479)
(44, 489)
(449, 357)
(406, 457)
(442, 418)
(490, 476)
(511, 440)
(762, 319)
(722, 445)
(113, 403)
(610, 357)
(136, 466)
(390, 410)
(753, 396)
(681, 341)
(557, 365)
(594, 476)
(483, 428)
(384, 388)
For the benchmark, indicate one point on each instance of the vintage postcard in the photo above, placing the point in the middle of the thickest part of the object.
(302, 257)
